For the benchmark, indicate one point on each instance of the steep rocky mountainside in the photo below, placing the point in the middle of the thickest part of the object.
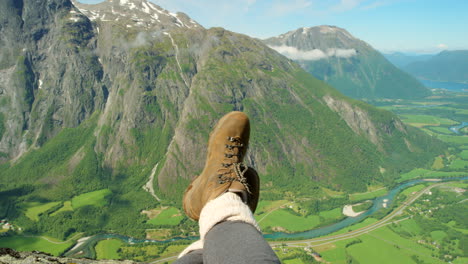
(351, 65)
(123, 94)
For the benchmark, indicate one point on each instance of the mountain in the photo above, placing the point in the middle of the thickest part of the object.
(351, 65)
(119, 98)
(447, 66)
(401, 60)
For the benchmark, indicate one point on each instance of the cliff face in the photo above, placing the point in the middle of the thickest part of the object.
(50, 73)
(108, 94)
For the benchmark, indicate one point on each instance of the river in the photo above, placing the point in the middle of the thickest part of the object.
(456, 129)
(377, 204)
(452, 86)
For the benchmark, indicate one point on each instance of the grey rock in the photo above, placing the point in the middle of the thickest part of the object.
(11, 256)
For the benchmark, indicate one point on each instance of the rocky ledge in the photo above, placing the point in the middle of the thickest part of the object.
(8, 255)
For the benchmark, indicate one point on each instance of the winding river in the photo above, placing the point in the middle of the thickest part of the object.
(86, 247)
(456, 129)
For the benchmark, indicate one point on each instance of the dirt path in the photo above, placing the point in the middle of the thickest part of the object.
(55, 242)
(271, 212)
(149, 185)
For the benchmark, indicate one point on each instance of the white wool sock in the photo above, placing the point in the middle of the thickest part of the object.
(227, 207)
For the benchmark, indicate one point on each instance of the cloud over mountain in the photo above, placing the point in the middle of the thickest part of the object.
(315, 54)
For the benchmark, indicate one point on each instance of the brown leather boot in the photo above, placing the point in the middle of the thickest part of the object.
(224, 170)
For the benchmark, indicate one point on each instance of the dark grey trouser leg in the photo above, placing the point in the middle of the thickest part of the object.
(236, 243)
(194, 257)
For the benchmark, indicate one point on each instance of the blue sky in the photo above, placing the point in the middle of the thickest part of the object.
(414, 26)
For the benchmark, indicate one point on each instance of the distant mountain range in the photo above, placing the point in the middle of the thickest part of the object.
(351, 65)
(447, 66)
(401, 60)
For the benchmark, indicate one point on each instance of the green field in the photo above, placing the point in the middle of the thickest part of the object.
(144, 253)
(410, 226)
(362, 224)
(269, 215)
(438, 235)
(457, 140)
(170, 216)
(293, 261)
(386, 247)
(459, 164)
(107, 249)
(34, 209)
(362, 206)
(290, 222)
(424, 173)
(34, 243)
(415, 173)
(332, 193)
(438, 163)
(463, 154)
(440, 130)
(367, 195)
(266, 206)
(96, 198)
(427, 120)
(67, 206)
(412, 189)
(332, 214)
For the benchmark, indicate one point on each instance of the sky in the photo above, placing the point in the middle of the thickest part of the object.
(410, 26)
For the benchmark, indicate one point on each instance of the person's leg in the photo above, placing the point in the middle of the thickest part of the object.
(214, 199)
(231, 234)
(236, 242)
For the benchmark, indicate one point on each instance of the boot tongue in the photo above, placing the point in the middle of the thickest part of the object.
(239, 189)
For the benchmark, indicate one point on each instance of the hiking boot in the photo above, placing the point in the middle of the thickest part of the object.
(224, 170)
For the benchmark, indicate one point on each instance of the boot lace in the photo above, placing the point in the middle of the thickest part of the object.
(233, 170)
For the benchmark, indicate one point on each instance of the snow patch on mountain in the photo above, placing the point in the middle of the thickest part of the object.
(136, 13)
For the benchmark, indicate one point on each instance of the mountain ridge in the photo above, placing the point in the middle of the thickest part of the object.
(401, 59)
(351, 65)
(448, 66)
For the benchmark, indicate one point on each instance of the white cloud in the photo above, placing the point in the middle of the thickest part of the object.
(341, 53)
(315, 54)
(375, 5)
(282, 8)
(346, 5)
(442, 46)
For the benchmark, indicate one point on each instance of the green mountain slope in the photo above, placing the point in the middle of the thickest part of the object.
(449, 66)
(101, 101)
(346, 63)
